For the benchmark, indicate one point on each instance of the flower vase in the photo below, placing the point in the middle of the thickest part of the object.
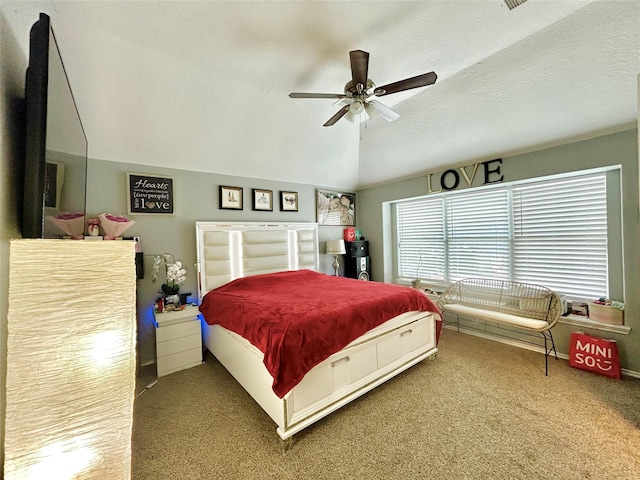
(171, 294)
(172, 299)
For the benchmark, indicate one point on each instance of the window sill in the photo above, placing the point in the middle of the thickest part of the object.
(585, 322)
(574, 320)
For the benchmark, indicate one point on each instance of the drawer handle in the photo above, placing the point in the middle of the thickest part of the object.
(343, 359)
(406, 332)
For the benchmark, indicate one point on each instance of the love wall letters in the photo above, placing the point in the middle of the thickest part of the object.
(450, 179)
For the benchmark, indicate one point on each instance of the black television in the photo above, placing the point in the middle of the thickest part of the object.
(55, 169)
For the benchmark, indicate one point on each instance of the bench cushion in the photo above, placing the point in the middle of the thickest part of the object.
(515, 320)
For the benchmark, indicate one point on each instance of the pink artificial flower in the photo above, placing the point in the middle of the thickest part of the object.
(69, 216)
(116, 218)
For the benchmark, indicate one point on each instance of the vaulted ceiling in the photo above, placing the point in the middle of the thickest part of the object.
(204, 85)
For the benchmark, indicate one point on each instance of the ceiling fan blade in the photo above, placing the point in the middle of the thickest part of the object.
(384, 111)
(406, 84)
(341, 113)
(316, 95)
(359, 68)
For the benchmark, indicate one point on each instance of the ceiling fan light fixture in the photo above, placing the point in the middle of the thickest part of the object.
(385, 112)
(371, 110)
(356, 107)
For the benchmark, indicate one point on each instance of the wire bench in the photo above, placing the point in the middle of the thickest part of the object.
(532, 309)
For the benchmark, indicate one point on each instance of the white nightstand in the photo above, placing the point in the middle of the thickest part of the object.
(178, 340)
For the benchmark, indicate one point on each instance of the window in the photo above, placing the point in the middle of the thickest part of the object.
(551, 232)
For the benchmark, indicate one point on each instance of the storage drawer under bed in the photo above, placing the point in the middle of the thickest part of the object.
(402, 341)
(361, 361)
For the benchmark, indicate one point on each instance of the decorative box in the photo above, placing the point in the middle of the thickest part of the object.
(349, 234)
(606, 314)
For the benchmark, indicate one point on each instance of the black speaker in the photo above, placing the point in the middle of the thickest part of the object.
(358, 267)
(358, 249)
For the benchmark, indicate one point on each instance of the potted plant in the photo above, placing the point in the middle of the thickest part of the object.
(175, 275)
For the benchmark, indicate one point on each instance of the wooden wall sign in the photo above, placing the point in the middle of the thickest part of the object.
(149, 194)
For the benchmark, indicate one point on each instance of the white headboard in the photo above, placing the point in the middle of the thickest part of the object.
(229, 251)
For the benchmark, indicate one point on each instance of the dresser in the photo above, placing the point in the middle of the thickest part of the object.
(178, 340)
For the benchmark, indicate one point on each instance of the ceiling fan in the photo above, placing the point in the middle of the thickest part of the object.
(360, 90)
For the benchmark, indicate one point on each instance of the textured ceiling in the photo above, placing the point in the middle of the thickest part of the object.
(204, 85)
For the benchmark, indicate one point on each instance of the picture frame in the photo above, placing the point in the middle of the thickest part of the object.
(230, 197)
(335, 208)
(262, 199)
(288, 201)
(149, 194)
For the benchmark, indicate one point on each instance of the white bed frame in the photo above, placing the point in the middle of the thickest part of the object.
(229, 251)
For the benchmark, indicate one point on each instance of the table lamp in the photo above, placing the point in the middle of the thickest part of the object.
(335, 248)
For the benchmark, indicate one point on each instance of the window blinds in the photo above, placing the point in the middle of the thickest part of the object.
(552, 233)
(478, 235)
(420, 239)
(560, 235)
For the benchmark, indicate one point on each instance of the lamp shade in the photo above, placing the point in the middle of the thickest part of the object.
(336, 247)
(71, 360)
(356, 107)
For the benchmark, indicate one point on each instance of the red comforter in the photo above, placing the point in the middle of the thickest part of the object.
(299, 318)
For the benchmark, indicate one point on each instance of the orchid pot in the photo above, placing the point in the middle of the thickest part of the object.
(170, 289)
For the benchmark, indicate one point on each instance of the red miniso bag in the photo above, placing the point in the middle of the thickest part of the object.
(593, 354)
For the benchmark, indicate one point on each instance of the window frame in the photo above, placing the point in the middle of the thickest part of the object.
(614, 247)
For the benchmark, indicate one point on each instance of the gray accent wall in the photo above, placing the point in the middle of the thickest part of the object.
(195, 199)
(620, 148)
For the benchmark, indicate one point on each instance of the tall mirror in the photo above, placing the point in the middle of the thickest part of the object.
(55, 170)
(66, 147)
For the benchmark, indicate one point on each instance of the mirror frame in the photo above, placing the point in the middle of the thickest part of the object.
(43, 48)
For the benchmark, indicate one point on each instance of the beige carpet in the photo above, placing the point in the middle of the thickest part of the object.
(480, 410)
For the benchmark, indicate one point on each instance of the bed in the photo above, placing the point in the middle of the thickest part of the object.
(299, 370)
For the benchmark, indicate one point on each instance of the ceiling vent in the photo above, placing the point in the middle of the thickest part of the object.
(511, 4)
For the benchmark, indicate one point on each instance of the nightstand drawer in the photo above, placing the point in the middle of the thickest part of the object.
(178, 330)
(179, 361)
(178, 340)
(178, 345)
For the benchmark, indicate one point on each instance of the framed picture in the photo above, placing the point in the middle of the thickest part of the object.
(335, 208)
(288, 201)
(152, 194)
(262, 199)
(53, 180)
(230, 197)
